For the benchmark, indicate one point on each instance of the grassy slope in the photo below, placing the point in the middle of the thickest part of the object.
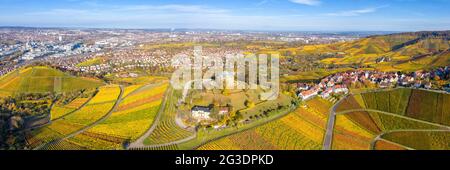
(404, 50)
(44, 79)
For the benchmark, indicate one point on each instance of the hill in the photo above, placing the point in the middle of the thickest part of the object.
(393, 52)
(40, 79)
(396, 117)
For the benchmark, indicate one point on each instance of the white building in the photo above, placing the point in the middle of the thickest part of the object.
(305, 95)
(200, 112)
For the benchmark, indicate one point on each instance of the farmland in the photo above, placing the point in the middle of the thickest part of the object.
(394, 101)
(167, 130)
(76, 120)
(389, 111)
(67, 105)
(50, 80)
(423, 140)
(429, 106)
(418, 104)
(133, 116)
(302, 129)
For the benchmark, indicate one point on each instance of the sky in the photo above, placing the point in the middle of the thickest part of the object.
(270, 15)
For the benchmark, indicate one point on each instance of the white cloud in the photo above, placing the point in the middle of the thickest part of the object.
(262, 2)
(355, 12)
(307, 2)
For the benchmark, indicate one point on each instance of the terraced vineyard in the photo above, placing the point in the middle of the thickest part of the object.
(50, 80)
(395, 101)
(423, 140)
(133, 116)
(60, 110)
(167, 147)
(167, 130)
(76, 120)
(357, 128)
(349, 135)
(429, 106)
(300, 130)
(388, 145)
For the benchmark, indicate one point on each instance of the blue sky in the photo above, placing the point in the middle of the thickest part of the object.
(292, 15)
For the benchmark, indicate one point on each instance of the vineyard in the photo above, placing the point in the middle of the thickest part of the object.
(301, 130)
(395, 101)
(423, 140)
(398, 110)
(74, 121)
(167, 130)
(165, 147)
(349, 135)
(429, 106)
(387, 145)
(106, 94)
(60, 110)
(134, 116)
(50, 80)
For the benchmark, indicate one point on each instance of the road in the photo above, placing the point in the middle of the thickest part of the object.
(144, 147)
(328, 139)
(116, 104)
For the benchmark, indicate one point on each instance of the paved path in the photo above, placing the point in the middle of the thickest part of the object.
(138, 147)
(116, 104)
(328, 139)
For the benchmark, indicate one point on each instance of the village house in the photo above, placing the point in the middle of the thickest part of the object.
(305, 95)
(201, 112)
(340, 89)
(326, 93)
(223, 110)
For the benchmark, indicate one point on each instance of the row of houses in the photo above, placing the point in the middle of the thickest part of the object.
(310, 92)
(338, 83)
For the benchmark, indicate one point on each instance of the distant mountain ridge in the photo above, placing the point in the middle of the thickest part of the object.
(400, 51)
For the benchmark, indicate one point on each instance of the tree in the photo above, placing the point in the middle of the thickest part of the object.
(249, 104)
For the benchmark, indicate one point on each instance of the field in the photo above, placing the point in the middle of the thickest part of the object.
(356, 129)
(429, 106)
(401, 49)
(133, 117)
(76, 120)
(395, 101)
(302, 129)
(423, 140)
(60, 110)
(311, 75)
(167, 130)
(50, 80)
(387, 145)
(419, 104)
(91, 62)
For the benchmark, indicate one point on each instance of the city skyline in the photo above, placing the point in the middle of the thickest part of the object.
(265, 15)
